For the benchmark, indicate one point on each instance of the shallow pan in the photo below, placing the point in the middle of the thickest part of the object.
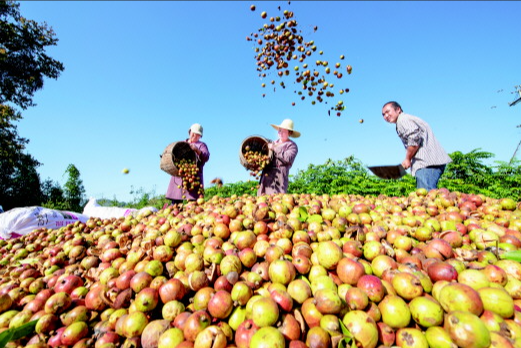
(388, 172)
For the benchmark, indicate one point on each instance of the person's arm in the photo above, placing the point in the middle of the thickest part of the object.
(201, 151)
(411, 135)
(204, 153)
(409, 155)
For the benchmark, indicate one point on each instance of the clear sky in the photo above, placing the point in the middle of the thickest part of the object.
(139, 73)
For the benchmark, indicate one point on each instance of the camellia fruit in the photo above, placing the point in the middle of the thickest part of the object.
(362, 327)
(467, 329)
(267, 337)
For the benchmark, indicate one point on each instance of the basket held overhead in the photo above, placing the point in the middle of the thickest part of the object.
(173, 152)
(254, 143)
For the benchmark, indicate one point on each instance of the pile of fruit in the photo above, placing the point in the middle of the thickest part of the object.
(279, 44)
(257, 161)
(189, 172)
(431, 269)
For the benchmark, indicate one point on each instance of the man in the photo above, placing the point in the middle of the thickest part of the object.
(423, 153)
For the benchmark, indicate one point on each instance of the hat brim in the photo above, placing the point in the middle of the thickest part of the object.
(195, 132)
(295, 134)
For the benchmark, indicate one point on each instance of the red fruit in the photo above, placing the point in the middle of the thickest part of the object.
(244, 333)
(68, 284)
(74, 332)
(220, 305)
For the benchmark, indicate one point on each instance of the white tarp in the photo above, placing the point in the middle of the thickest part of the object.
(93, 209)
(21, 221)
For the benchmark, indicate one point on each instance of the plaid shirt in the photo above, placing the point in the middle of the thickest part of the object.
(413, 131)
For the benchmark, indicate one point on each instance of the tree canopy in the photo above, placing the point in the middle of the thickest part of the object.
(23, 66)
(19, 181)
(74, 191)
(23, 60)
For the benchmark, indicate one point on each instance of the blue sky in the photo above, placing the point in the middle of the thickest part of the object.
(139, 73)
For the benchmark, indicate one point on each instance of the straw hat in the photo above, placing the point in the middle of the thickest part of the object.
(197, 129)
(287, 124)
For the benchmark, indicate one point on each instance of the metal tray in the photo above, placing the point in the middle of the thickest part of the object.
(388, 172)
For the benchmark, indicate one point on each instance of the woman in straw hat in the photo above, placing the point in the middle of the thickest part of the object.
(175, 192)
(274, 177)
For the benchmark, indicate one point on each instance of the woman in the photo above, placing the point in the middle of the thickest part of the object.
(175, 192)
(274, 178)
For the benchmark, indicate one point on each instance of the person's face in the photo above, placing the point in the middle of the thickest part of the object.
(194, 137)
(283, 134)
(390, 114)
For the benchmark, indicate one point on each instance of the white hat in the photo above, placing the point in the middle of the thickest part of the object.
(196, 128)
(287, 124)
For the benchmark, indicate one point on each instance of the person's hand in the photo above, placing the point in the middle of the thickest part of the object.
(196, 150)
(406, 164)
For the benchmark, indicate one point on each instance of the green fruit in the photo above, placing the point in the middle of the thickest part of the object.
(329, 254)
(467, 330)
(170, 338)
(362, 327)
(497, 300)
(265, 312)
(426, 311)
(437, 337)
(267, 337)
(411, 338)
(395, 311)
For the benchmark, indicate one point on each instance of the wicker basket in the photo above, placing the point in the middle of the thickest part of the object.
(256, 143)
(174, 151)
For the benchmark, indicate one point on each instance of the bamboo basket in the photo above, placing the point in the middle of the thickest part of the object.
(173, 152)
(255, 143)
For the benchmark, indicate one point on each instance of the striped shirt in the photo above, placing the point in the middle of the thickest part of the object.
(413, 131)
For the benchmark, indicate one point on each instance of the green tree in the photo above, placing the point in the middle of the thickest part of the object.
(52, 195)
(74, 192)
(23, 66)
(19, 181)
(23, 61)
(227, 190)
(469, 167)
(346, 176)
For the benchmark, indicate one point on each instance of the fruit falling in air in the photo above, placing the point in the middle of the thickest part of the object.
(189, 172)
(125, 171)
(278, 43)
(257, 161)
(252, 7)
(361, 120)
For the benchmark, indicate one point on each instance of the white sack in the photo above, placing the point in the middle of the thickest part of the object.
(93, 209)
(21, 221)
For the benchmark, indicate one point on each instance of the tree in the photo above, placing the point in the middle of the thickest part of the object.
(52, 195)
(23, 61)
(23, 67)
(19, 181)
(468, 168)
(74, 191)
